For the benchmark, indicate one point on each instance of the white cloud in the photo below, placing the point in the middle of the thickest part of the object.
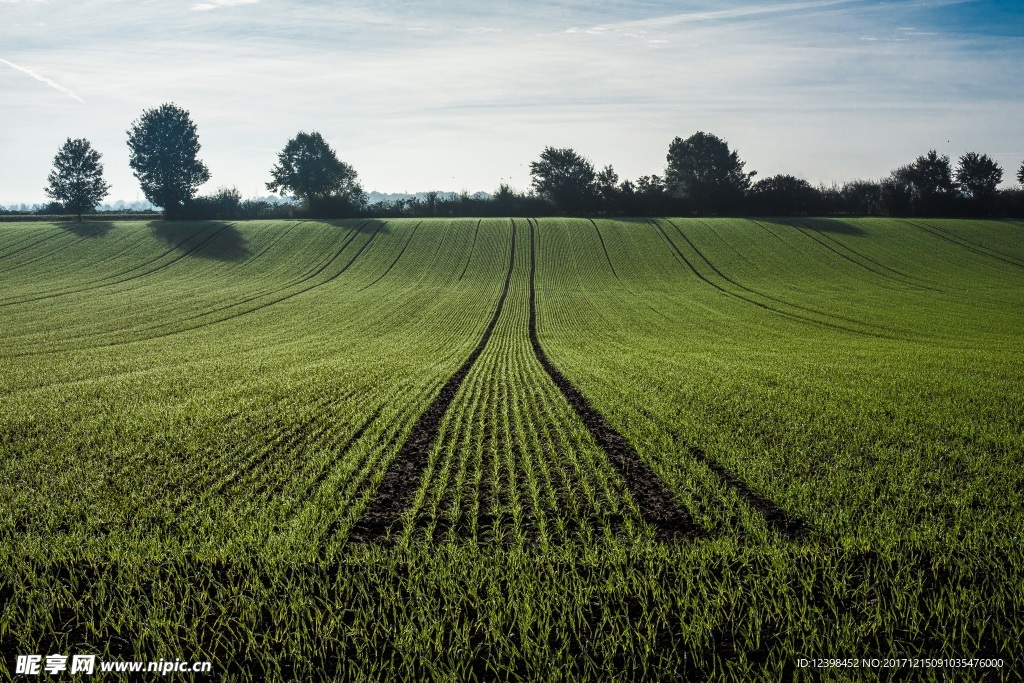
(411, 95)
(217, 4)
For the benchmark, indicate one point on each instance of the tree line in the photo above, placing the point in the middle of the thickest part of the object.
(702, 176)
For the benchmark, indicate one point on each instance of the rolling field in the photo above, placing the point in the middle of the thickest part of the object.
(555, 449)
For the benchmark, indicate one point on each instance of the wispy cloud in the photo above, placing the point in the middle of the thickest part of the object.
(43, 79)
(217, 4)
(418, 94)
(717, 15)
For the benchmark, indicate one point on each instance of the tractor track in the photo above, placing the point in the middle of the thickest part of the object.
(605, 250)
(401, 479)
(794, 316)
(972, 247)
(187, 252)
(807, 232)
(31, 240)
(824, 234)
(783, 302)
(397, 258)
(49, 254)
(471, 248)
(305, 278)
(790, 526)
(29, 246)
(657, 505)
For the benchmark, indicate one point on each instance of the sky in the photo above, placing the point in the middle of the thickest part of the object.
(463, 95)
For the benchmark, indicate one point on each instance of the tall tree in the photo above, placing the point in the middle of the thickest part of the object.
(703, 170)
(77, 177)
(1020, 174)
(932, 175)
(607, 184)
(565, 178)
(978, 176)
(164, 156)
(900, 194)
(309, 169)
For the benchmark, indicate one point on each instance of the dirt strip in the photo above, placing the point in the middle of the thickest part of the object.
(788, 525)
(402, 478)
(658, 506)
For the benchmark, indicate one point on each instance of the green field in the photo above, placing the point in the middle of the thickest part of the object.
(352, 450)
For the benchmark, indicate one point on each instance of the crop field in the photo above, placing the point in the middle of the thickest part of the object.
(515, 449)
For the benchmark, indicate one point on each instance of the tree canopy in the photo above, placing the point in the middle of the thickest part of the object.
(783, 195)
(1020, 174)
(978, 175)
(164, 156)
(703, 170)
(309, 169)
(932, 177)
(76, 180)
(565, 178)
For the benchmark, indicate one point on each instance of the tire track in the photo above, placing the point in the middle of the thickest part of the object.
(755, 292)
(972, 247)
(260, 307)
(29, 246)
(807, 233)
(34, 239)
(471, 248)
(401, 479)
(605, 249)
(621, 283)
(175, 247)
(404, 247)
(657, 505)
(856, 253)
(790, 526)
(766, 307)
(47, 254)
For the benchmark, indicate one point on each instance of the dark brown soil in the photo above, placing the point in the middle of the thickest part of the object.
(786, 524)
(658, 506)
(402, 477)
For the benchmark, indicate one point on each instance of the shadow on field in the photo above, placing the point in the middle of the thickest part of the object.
(837, 226)
(204, 239)
(365, 226)
(87, 228)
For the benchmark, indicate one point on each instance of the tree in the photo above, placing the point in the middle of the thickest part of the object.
(164, 148)
(607, 186)
(565, 178)
(932, 176)
(706, 173)
(862, 197)
(77, 177)
(977, 176)
(900, 194)
(783, 195)
(309, 169)
(1020, 174)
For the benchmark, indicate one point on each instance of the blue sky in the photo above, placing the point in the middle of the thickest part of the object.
(463, 95)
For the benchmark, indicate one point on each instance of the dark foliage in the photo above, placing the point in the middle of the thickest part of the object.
(76, 181)
(566, 179)
(783, 195)
(977, 176)
(900, 195)
(309, 169)
(164, 156)
(704, 171)
(227, 204)
(932, 176)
